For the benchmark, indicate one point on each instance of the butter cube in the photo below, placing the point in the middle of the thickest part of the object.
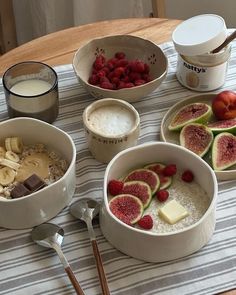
(173, 212)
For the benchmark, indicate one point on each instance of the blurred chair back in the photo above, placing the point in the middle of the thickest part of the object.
(158, 8)
(8, 39)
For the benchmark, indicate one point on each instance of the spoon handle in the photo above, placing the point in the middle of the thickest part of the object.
(101, 272)
(74, 281)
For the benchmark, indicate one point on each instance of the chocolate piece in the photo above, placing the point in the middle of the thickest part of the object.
(34, 183)
(19, 191)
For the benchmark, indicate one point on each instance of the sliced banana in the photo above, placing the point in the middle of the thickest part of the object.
(2, 152)
(10, 164)
(7, 176)
(9, 155)
(14, 144)
(8, 143)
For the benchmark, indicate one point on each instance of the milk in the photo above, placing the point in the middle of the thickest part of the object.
(35, 98)
(31, 87)
(111, 120)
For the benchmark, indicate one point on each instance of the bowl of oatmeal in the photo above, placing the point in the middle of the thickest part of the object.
(37, 172)
(159, 202)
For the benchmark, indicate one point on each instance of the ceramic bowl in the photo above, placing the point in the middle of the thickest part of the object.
(134, 48)
(173, 137)
(113, 136)
(44, 204)
(151, 246)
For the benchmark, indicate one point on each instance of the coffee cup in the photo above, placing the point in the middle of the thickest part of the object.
(111, 125)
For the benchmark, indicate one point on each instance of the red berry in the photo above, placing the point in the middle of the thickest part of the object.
(94, 79)
(146, 68)
(106, 85)
(120, 55)
(129, 85)
(139, 82)
(122, 62)
(121, 85)
(162, 195)
(146, 222)
(187, 176)
(134, 76)
(138, 66)
(101, 73)
(118, 72)
(170, 170)
(115, 187)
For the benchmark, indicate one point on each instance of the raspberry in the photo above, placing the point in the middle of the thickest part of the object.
(134, 76)
(122, 62)
(170, 170)
(101, 73)
(121, 85)
(187, 176)
(93, 79)
(138, 66)
(118, 72)
(115, 187)
(139, 82)
(120, 55)
(146, 222)
(106, 85)
(129, 85)
(162, 195)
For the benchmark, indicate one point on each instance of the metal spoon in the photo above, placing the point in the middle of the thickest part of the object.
(86, 209)
(51, 236)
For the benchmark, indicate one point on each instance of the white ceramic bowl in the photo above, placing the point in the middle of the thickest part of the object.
(149, 246)
(134, 48)
(40, 206)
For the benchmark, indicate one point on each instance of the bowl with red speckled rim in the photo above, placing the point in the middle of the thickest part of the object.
(134, 48)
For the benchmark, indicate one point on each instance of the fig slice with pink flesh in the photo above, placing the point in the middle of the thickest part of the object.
(196, 138)
(165, 181)
(223, 126)
(224, 151)
(127, 208)
(192, 113)
(146, 175)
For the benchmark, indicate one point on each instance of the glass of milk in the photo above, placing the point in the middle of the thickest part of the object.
(31, 90)
(111, 125)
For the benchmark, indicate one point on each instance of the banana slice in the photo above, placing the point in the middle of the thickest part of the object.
(8, 143)
(9, 155)
(7, 176)
(10, 164)
(2, 152)
(14, 144)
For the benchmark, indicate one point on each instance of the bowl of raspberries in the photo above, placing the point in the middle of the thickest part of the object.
(122, 66)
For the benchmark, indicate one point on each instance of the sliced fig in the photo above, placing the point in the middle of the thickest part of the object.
(146, 175)
(197, 138)
(140, 190)
(223, 126)
(224, 151)
(127, 208)
(192, 113)
(165, 181)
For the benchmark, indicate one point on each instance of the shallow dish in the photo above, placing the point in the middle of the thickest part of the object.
(173, 137)
(156, 247)
(134, 48)
(44, 204)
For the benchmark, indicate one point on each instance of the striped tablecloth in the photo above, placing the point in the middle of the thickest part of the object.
(26, 268)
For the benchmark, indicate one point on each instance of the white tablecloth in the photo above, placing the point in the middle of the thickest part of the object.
(26, 268)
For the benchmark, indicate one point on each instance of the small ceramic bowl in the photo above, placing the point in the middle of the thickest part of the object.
(134, 48)
(42, 205)
(152, 246)
(111, 125)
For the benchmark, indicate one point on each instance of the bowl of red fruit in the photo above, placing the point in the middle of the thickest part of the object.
(159, 202)
(122, 66)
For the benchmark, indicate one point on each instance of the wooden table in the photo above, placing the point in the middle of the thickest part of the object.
(58, 48)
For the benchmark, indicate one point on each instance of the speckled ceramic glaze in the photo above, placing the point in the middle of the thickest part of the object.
(40, 206)
(150, 246)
